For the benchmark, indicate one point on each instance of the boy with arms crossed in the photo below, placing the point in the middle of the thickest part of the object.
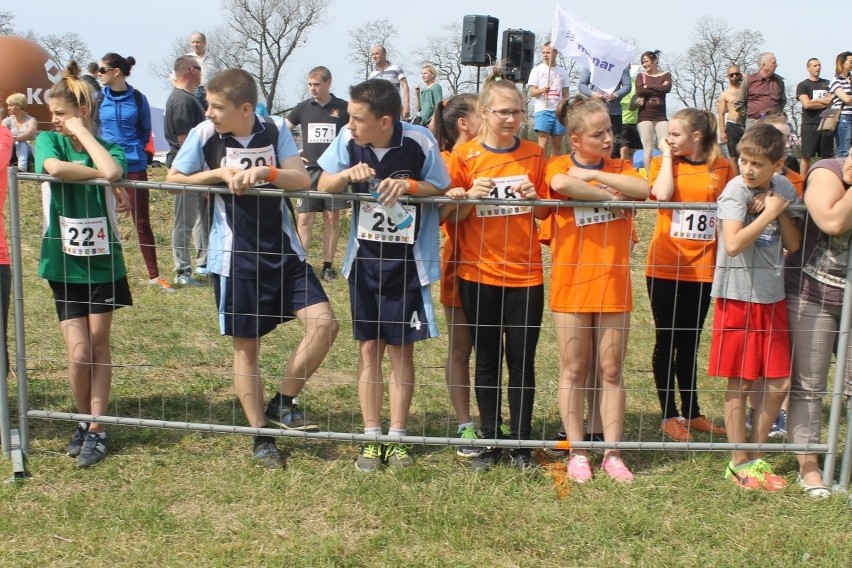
(389, 269)
(256, 262)
(750, 332)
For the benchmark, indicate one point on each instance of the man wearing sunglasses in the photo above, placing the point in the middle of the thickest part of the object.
(183, 113)
(730, 130)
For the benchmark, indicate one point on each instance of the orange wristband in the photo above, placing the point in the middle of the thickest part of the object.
(273, 173)
(412, 186)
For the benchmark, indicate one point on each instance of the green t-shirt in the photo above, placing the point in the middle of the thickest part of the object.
(79, 242)
(629, 116)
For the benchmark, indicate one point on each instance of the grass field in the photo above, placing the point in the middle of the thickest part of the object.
(172, 498)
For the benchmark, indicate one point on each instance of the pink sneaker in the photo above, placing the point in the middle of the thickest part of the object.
(578, 468)
(615, 468)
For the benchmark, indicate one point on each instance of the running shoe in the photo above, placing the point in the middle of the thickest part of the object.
(162, 284)
(93, 451)
(615, 468)
(289, 417)
(468, 452)
(76, 443)
(578, 468)
(779, 427)
(369, 457)
(265, 453)
(398, 456)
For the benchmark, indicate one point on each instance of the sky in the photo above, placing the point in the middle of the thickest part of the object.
(147, 29)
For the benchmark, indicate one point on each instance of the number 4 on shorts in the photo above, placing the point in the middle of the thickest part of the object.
(414, 322)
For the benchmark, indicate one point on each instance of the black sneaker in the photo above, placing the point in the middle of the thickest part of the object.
(557, 453)
(521, 459)
(266, 454)
(289, 417)
(76, 443)
(328, 274)
(487, 458)
(94, 450)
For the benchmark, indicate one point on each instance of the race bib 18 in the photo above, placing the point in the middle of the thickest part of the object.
(504, 189)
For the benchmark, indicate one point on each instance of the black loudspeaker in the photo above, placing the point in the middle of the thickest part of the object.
(517, 56)
(479, 40)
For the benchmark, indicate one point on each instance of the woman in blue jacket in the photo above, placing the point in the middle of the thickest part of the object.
(125, 119)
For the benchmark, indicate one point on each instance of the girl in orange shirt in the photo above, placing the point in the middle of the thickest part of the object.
(681, 262)
(590, 291)
(455, 122)
(501, 281)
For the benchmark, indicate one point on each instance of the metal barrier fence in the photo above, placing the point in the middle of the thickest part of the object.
(16, 441)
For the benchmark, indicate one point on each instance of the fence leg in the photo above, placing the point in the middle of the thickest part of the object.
(19, 466)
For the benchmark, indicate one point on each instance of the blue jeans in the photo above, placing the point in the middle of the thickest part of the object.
(843, 135)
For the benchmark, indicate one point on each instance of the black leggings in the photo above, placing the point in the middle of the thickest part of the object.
(679, 311)
(5, 297)
(491, 312)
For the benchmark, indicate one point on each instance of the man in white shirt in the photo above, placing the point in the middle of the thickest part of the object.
(393, 73)
(210, 64)
(548, 84)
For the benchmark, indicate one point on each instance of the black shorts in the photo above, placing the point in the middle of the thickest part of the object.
(816, 143)
(734, 131)
(397, 319)
(630, 137)
(80, 300)
(308, 205)
(252, 307)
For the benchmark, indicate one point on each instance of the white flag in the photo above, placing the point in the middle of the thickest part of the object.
(604, 55)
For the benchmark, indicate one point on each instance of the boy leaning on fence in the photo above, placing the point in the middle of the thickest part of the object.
(389, 267)
(750, 332)
(257, 265)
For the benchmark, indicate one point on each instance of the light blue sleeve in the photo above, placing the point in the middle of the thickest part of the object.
(286, 145)
(335, 159)
(190, 157)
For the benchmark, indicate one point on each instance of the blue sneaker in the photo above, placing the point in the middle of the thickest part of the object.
(94, 450)
(185, 279)
(76, 443)
(201, 271)
(289, 417)
(779, 427)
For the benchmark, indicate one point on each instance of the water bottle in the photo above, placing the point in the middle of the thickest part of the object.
(396, 214)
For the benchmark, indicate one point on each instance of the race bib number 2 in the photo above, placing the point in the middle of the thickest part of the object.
(504, 189)
(84, 237)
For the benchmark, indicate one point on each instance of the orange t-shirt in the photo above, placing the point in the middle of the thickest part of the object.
(684, 243)
(590, 250)
(797, 180)
(498, 245)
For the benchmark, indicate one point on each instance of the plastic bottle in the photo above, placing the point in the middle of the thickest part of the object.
(396, 214)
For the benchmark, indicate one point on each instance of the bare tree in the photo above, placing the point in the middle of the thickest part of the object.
(264, 34)
(363, 38)
(698, 75)
(63, 48)
(444, 52)
(7, 20)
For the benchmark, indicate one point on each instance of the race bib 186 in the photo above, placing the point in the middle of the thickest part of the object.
(693, 224)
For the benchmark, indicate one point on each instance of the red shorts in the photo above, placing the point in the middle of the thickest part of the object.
(750, 340)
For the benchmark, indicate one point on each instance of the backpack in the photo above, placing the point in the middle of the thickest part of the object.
(149, 147)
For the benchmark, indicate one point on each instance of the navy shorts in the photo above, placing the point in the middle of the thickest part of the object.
(735, 132)
(252, 307)
(308, 205)
(815, 143)
(81, 300)
(397, 319)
